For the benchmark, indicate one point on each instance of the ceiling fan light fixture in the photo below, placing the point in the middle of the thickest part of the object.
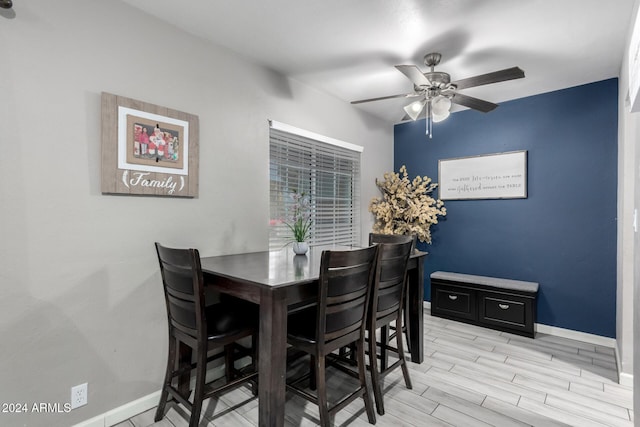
(437, 118)
(414, 109)
(441, 106)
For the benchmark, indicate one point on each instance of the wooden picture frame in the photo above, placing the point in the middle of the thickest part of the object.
(488, 176)
(148, 149)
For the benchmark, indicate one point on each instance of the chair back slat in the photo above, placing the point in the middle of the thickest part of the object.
(179, 280)
(347, 300)
(346, 314)
(344, 280)
(343, 297)
(181, 315)
(183, 289)
(391, 238)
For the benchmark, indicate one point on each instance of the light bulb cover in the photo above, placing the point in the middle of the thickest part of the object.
(441, 106)
(414, 109)
(437, 118)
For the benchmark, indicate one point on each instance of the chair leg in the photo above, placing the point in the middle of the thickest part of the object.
(185, 354)
(403, 361)
(313, 384)
(405, 326)
(384, 342)
(228, 362)
(254, 362)
(164, 395)
(201, 371)
(320, 374)
(375, 374)
(368, 405)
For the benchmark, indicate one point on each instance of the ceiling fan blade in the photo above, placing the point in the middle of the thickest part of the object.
(404, 95)
(414, 74)
(475, 103)
(495, 77)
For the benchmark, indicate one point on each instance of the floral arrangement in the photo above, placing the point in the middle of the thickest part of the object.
(406, 206)
(299, 218)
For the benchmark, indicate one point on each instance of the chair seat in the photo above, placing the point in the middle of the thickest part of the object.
(224, 320)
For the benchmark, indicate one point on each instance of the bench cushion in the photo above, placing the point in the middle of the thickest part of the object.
(531, 287)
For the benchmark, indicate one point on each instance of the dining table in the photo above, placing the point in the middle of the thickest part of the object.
(279, 280)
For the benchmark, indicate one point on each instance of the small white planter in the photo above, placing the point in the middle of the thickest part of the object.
(300, 248)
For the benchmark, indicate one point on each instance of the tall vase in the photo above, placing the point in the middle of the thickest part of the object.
(300, 248)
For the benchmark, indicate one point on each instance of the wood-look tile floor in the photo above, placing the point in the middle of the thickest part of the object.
(471, 376)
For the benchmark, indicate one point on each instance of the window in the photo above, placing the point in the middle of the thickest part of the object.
(324, 169)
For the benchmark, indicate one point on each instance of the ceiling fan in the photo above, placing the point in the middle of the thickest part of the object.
(436, 91)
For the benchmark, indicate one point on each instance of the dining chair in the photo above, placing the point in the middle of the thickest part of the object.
(388, 294)
(394, 238)
(200, 329)
(338, 319)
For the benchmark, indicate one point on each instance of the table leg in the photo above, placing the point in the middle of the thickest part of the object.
(416, 316)
(272, 358)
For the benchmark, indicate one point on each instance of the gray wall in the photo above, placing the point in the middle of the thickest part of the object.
(628, 296)
(630, 291)
(80, 293)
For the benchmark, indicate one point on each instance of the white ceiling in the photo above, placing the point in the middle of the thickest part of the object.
(349, 48)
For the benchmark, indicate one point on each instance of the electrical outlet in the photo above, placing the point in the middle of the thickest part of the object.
(79, 396)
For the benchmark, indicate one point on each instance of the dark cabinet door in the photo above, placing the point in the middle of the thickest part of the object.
(453, 301)
(506, 311)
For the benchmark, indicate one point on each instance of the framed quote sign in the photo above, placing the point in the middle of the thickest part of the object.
(489, 176)
(148, 149)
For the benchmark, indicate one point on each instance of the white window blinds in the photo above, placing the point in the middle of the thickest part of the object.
(324, 169)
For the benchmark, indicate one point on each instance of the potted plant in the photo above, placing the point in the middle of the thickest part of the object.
(299, 222)
(406, 206)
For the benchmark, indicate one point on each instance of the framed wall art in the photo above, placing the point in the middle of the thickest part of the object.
(489, 176)
(148, 149)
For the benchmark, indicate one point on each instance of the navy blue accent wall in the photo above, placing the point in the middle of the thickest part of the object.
(564, 234)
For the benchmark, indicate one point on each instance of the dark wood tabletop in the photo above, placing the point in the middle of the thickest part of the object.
(277, 280)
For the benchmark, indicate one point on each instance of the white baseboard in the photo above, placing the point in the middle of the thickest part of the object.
(123, 412)
(576, 335)
(128, 410)
(623, 377)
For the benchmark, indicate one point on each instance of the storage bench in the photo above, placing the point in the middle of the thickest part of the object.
(502, 304)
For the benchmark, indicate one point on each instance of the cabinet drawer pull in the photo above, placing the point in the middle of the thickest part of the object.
(453, 297)
(503, 306)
